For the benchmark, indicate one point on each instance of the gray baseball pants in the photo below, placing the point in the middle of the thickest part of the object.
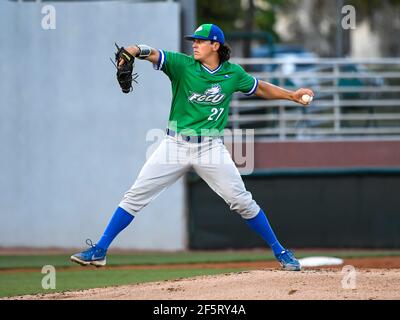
(174, 157)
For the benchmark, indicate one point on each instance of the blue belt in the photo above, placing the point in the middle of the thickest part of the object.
(196, 139)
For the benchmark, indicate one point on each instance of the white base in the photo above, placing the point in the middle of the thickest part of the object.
(320, 261)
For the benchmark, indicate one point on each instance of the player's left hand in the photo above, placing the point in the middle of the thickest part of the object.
(298, 96)
(126, 64)
(133, 50)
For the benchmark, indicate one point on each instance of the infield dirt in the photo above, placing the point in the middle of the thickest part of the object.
(375, 279)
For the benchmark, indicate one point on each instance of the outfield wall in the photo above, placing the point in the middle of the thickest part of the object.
(357, 208)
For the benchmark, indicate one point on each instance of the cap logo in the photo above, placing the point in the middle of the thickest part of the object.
(199, 29)
(215, 37)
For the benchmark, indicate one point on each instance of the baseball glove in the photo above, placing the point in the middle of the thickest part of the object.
(125, 74)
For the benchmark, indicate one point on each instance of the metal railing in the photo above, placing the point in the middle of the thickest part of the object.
(354, 99)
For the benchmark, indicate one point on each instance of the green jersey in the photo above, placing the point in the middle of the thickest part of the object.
(200, 96)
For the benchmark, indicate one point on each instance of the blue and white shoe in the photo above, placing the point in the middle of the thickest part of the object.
(288, 261)
(94, 255)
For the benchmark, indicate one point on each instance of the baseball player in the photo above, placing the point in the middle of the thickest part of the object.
(202, 87)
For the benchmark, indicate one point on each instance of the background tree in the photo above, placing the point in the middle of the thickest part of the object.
(311, 23)
(224, 13)
(236, 15)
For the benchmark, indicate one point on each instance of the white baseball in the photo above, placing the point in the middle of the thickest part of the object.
(307, 98)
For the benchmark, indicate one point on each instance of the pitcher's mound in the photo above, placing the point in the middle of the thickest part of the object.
(255, 285)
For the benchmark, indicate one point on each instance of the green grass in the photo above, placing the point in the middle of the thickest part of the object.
(21, 283)
(37, 261)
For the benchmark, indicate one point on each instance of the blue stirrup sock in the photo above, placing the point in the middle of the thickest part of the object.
(261, 225)
(119, 221)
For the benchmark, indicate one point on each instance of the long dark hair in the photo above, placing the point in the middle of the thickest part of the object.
(224, 52)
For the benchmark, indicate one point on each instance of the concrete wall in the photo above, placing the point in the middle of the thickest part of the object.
(71, 141)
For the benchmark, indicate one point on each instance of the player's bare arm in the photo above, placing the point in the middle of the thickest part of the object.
(135, 50)
(269, 91)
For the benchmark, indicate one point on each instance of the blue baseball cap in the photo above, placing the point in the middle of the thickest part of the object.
(208, 31)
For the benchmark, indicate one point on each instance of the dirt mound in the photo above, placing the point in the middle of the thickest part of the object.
(328, 283)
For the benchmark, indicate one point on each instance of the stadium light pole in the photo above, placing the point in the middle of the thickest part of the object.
(339, 28)
(188, 23)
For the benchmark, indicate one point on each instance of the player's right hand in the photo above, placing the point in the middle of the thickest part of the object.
(298, 94)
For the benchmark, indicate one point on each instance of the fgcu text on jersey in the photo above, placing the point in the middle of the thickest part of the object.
(210, 96)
